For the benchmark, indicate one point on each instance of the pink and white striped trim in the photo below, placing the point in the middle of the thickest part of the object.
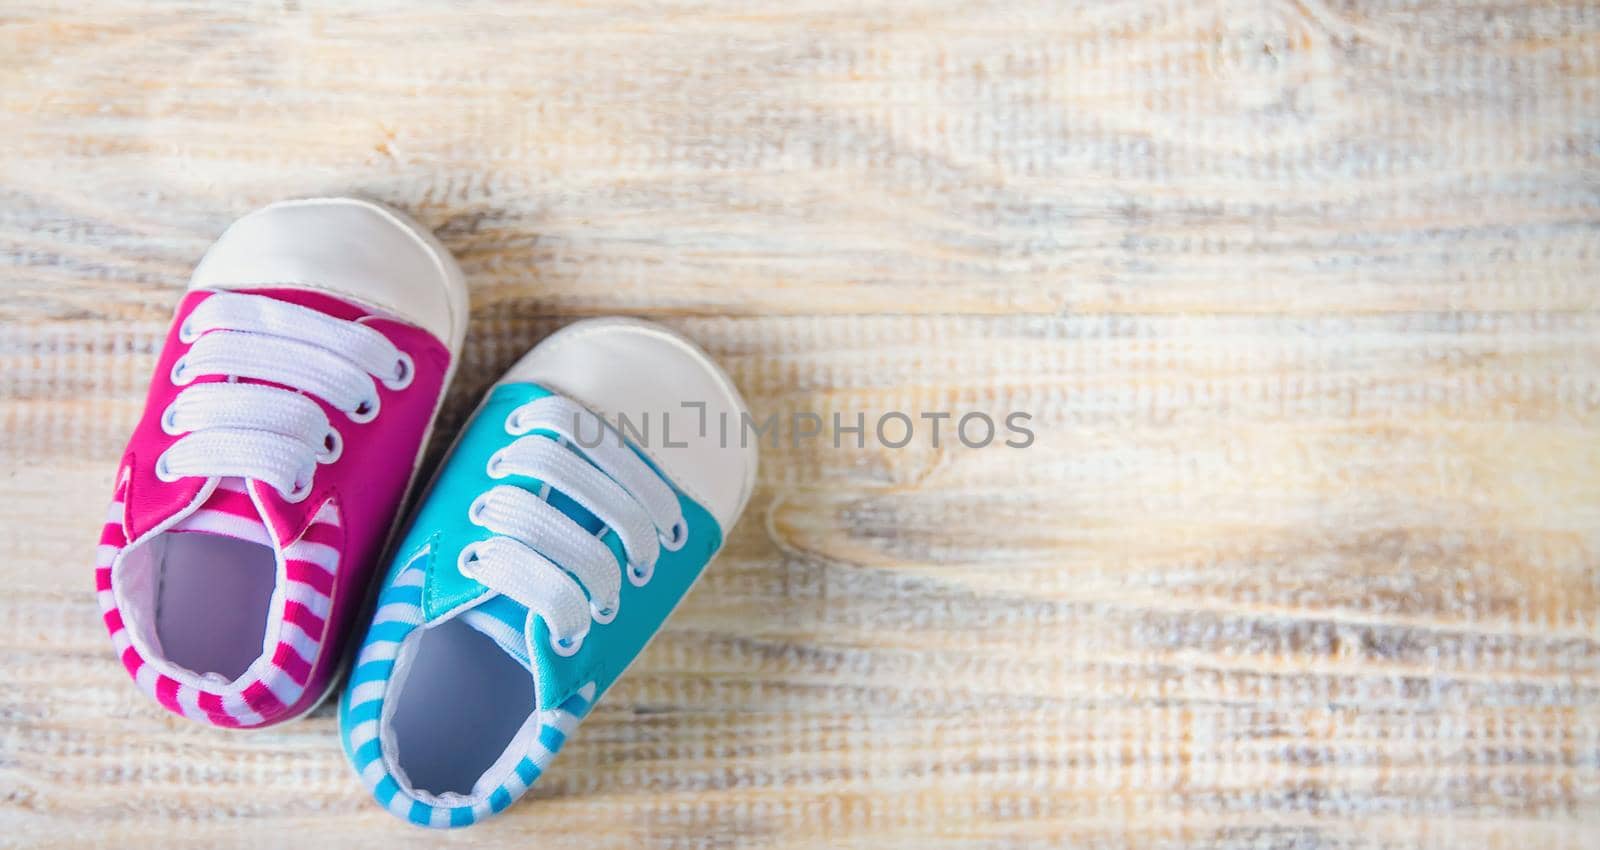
(275, 681)
(229, 512)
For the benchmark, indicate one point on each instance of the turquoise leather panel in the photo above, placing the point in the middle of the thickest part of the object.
(442, 521)
(442, 525)
(610, 647)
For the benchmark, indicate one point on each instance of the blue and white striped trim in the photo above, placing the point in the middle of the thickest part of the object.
(399, 613)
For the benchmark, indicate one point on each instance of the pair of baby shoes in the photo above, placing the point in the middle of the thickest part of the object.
(262, 487)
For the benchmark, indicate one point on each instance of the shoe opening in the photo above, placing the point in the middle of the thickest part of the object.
(202, 600)
(461, 704)
(212, 601)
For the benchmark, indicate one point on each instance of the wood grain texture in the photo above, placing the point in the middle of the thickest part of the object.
(1302, 297)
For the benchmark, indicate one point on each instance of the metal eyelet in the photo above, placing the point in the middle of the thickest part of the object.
(179, 374)
(640, 577)
(475, 511)
(492, 468)
(567, 647)
(606, 614)
(169, 421)
(332, 447)
(164, 470)
(364, 412)
(300, 491)
(680, 536)
(405, 370)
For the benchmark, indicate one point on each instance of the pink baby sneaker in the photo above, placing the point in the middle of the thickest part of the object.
(284, 423)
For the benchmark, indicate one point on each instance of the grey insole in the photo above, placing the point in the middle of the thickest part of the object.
(211, 602)
(459, 706)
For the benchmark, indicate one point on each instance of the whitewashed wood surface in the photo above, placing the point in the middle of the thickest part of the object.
(1302, 297)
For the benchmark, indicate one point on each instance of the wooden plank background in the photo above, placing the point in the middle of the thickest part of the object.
(1302, 297)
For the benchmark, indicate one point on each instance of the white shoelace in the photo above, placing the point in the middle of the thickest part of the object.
(542, 558)
(266, 433)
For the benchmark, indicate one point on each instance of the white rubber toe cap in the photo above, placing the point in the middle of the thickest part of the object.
(350, 248)
(640, 369)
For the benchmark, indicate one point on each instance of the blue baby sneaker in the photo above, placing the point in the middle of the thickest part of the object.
(550, 549)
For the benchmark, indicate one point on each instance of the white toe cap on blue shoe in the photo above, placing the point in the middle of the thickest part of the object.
(657, 380)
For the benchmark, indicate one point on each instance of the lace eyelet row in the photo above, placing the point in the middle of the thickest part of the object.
(364, 412)
(332, 441)
(405, 368)
(638, 575)
(302, 486)
(331, 446)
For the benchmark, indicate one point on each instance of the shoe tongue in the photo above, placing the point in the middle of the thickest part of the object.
(228, 512)
(504, 620)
